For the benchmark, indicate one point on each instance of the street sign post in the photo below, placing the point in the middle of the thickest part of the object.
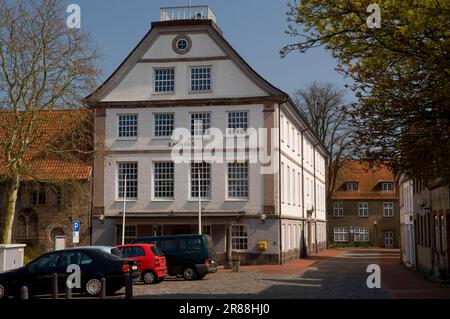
(76, 232)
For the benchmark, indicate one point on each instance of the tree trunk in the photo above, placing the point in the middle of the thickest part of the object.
(8, 220)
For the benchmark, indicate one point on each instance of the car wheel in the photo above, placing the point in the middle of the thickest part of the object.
(149, 278)
(3, 294)
(93, 287)
(189, 273)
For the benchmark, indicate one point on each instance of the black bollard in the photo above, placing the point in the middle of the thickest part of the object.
(68, 292)
(55, 286)
(128, 286)
(103, 289)
(24, 292)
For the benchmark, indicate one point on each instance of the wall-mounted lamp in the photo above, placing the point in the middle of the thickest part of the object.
(101, 218)
(263, 218)
(375, 223)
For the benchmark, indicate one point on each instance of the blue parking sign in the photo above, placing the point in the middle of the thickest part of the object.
(76, 226)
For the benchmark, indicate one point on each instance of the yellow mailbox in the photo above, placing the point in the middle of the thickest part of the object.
(262, 245)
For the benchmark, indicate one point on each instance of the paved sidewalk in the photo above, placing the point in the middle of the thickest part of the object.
(297, 267)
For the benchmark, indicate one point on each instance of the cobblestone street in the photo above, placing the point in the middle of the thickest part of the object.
(331, 274)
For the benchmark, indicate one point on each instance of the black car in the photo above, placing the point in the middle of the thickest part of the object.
(94, 265)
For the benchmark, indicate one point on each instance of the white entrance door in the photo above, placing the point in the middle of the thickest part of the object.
(388, 239)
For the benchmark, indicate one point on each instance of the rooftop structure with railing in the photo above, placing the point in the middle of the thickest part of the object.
(187, 13)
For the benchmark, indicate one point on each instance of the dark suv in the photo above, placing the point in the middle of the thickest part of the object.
(190, 256)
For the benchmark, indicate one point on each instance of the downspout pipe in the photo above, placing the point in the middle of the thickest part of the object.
(303, 246)
(280, 247)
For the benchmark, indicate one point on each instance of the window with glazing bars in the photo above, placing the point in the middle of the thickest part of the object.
(361, 234)
(363, 209)
(164, 80)
(163, 124)
(130, 172)
(237, 122)
(201, 179)
(341, 234)
(128, 125)
(163, 177)
(239, 237)
(338, 209)
(201, 79)
(388, 209)
(238, 180)
(200, 124)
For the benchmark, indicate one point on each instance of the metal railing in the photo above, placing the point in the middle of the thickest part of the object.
(187, 13)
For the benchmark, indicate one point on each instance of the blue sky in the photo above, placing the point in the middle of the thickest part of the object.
(255, 28)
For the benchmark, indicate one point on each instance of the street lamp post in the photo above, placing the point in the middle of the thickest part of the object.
(124, 209)
(199, 203)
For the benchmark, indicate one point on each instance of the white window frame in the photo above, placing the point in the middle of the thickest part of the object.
(351, 187)
(338, 209)
(191, 86)
(340, 234)
(233, 131)
(363, 209)
(388, 209)
(195, 177)
(155, 70)
(387, 186)
(154, 195)
(288, 183)
(242, 233)
(165, 127)
(127, 138)
(206, 129)
(118, 198)
(230, 196)
(361, 235)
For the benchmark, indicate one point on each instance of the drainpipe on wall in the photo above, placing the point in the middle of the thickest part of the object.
(280, 237)
(303, 246)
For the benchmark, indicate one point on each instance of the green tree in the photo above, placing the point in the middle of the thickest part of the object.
(400, 71)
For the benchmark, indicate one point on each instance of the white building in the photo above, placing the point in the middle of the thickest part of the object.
(184, 74)
(406, 196)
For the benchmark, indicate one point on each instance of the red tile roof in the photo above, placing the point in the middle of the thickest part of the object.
(369, 181)
(50, 126)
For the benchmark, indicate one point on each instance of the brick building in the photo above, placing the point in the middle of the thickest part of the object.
(55, 193)
(364, 207)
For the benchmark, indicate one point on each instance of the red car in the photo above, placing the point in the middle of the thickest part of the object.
(150, 259)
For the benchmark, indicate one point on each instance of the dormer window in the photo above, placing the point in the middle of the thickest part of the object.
(387, 186)
(352, 187)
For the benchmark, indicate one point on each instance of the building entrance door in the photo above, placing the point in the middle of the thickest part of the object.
(388, 239)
